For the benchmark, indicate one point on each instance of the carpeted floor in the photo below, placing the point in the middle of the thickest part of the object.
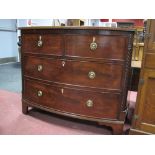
(12, 121)
(37, 122)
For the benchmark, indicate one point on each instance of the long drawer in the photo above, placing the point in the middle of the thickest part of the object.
(75, 101)
(48, 44)
(82, 73)
(97, 46)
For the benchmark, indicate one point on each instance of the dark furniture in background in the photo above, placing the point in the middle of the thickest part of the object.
(135, 74)
(125, 24)
(137, 55)
(144, 116)
(80, 72)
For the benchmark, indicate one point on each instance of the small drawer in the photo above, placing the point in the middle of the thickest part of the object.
(81, 73)
(48, 44)
(97, 46)
(74, 101)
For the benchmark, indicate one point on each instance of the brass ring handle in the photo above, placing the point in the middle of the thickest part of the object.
(40, 93)
(40, 68)
(93, 45)
(89, 103)
(40, 42)
(91, 75)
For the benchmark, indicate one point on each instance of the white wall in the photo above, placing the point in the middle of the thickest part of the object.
(34, 22)
(8, 24)
(8, 38)
(21, 22)
(42, 22)
(45, 22)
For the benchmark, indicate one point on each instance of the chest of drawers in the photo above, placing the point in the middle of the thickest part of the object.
(80, 72)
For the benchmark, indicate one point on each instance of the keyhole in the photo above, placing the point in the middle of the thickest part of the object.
(63, 63)
(62, 90)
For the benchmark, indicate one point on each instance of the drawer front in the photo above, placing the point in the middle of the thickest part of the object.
(49, 44)
(82, 73)
(107, 47)
(92, 104)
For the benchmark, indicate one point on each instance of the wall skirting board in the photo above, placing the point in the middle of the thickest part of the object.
(8, 59)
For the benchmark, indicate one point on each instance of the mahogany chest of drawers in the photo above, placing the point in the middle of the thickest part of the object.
(80, 72)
